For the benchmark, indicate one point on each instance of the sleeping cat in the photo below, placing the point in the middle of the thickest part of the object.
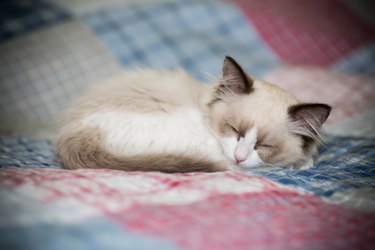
(166, 121)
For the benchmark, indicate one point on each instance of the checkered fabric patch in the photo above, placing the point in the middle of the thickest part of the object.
(316, 32)
(16, 151)
(98, 233)
(267, 220)
(19, 17)
(44, 71)
(361, 60)
(192, 35)
(362, 124)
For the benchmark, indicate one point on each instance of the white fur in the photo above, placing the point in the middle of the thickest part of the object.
(252, 161)
(229, 145)
(245, 145)
(246, 148)
(129, 133)
(242, 149)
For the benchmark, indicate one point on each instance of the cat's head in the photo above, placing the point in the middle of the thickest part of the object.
(259, 124)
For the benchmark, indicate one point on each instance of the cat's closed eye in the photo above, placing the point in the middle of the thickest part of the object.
(262, 145)
(232, 130)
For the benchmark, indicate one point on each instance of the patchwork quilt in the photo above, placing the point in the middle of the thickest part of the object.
(51, 51)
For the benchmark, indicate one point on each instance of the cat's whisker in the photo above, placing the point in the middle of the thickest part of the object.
(210, 78)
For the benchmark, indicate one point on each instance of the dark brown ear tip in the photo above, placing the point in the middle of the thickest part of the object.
(324, 105)
(235, 78)
(297, 107)
(229, 58)
(327, 107)
(295, 110)
(229, 61)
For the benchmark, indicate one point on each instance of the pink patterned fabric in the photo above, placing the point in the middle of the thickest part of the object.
(194, 211)
(95, 187)
(316, 32)
(243, 221)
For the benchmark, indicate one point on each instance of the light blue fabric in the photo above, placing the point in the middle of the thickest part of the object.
(92, 234)
(194, 36)
(362, 60)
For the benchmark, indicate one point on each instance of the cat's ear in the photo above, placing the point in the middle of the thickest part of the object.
(306, 119)
(235, 80)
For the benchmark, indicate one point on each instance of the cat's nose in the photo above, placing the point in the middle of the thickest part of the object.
(239, 158)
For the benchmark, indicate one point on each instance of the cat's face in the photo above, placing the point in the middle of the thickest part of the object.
(259, 124)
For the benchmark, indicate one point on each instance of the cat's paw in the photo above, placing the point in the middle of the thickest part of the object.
(308, 164)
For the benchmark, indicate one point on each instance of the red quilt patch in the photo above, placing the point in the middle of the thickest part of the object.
(307, 32)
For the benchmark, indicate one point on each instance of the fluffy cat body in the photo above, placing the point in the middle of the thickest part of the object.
(166, 121)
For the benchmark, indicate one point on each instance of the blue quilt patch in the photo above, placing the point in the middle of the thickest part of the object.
(18, 151)
(92, 234)
(194, 36)
(361, 61)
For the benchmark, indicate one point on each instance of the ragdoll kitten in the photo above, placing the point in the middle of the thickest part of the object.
(166, 121)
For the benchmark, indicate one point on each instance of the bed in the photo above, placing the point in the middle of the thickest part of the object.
(51, 51)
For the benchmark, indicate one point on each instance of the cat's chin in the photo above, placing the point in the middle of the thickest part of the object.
(248, 166)
(304, 164)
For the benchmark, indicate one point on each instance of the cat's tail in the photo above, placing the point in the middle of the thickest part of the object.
(83, 150)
